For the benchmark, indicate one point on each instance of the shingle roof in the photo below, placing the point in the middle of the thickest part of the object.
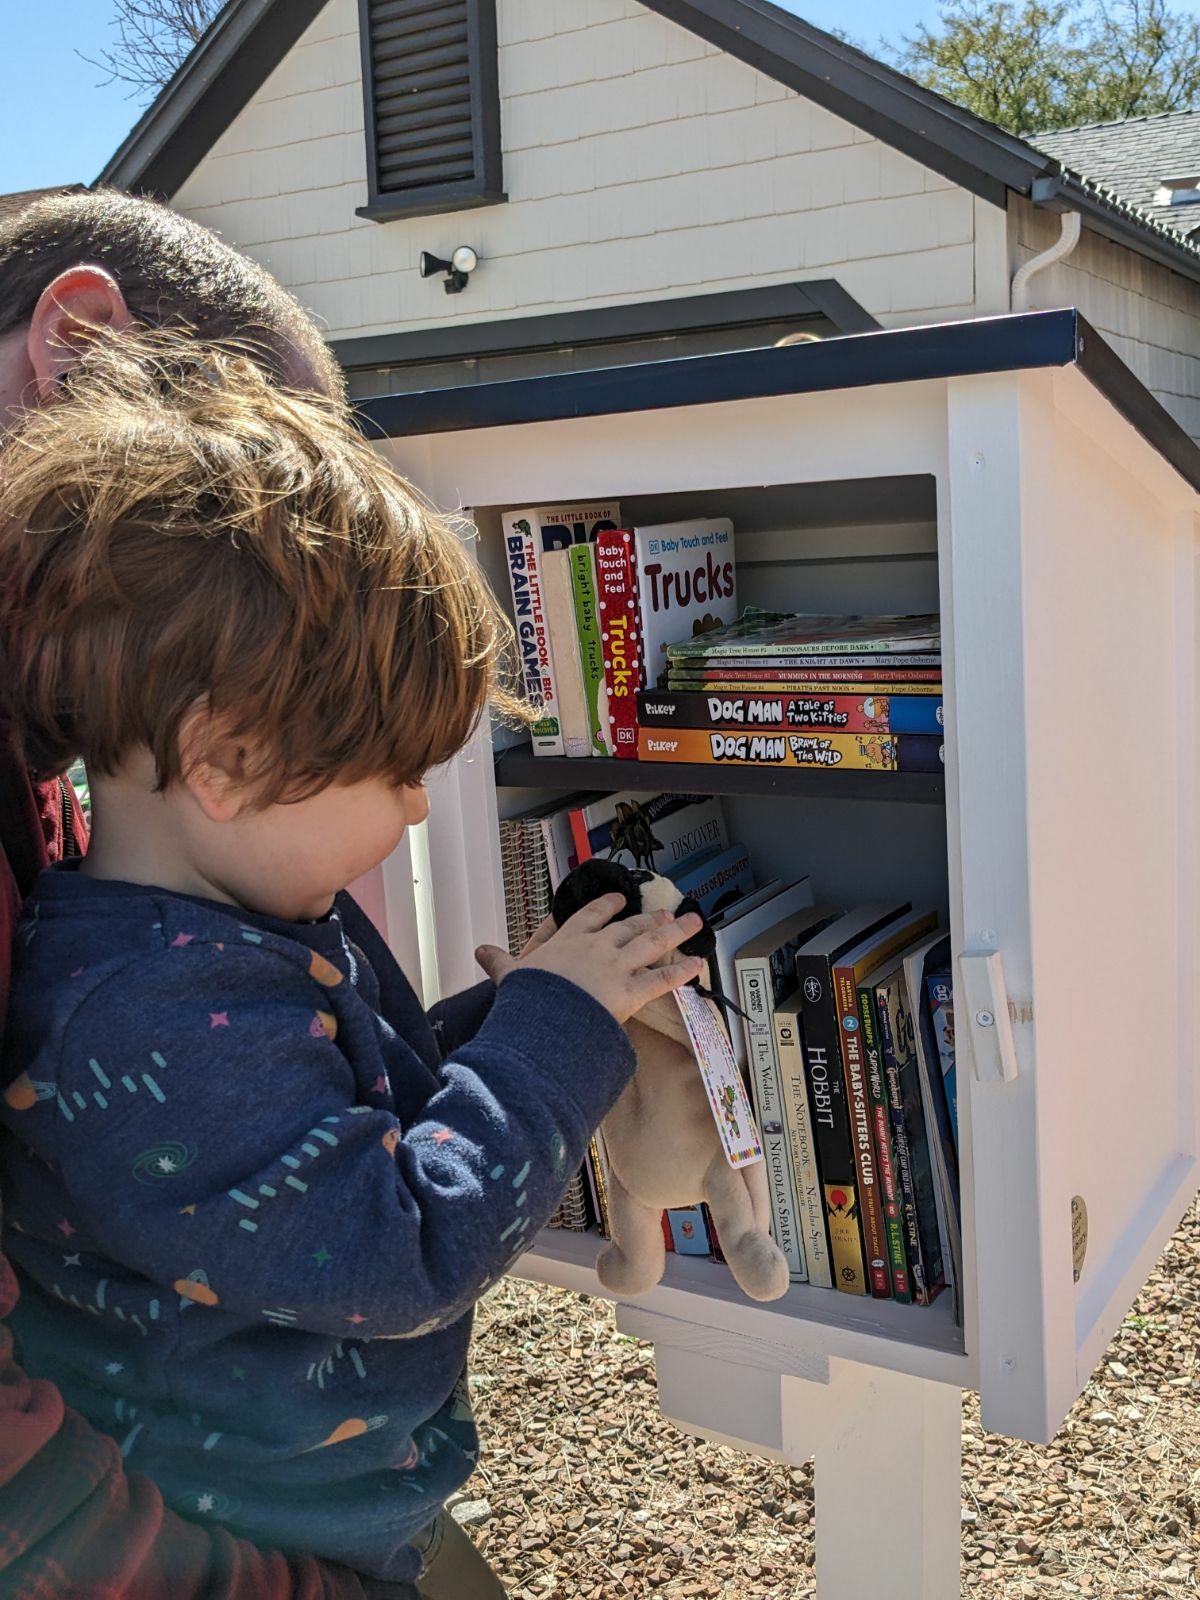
(1132, 158)
(11, 204)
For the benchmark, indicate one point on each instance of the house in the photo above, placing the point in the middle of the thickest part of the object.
(640, 178)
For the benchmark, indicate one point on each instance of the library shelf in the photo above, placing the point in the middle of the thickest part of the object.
(696, 1290)
(519, 768)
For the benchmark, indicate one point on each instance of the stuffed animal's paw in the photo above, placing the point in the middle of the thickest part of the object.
(624, 1275)
(759, 1266)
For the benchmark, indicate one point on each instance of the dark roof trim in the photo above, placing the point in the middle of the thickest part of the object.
(249, 38)
(244, 44)
(605, 324)
(902, 355)
(871, 95)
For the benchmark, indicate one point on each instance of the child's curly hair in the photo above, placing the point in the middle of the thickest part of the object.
(175, 528)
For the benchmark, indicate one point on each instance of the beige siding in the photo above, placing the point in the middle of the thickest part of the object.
(1150, 315)
(639, 163)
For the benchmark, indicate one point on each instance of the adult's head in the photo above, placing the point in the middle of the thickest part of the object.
(70, 263)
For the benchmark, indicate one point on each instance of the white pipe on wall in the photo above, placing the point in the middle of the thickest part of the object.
(1072, 223)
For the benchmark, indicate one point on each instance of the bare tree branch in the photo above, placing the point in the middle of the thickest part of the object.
(153, 39)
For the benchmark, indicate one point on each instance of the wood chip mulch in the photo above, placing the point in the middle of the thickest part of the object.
(585, 1492)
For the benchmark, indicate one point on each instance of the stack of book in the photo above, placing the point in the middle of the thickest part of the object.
(801, 691)
(596, 603)
(848, 1019)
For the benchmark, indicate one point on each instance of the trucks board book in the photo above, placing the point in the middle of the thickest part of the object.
(687, 584)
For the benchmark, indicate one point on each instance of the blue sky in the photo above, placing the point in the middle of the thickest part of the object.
(59, 124)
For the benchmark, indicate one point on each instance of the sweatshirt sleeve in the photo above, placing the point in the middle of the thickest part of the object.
(247, 1155)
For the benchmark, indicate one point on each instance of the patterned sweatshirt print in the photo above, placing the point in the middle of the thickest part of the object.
(254, 1193)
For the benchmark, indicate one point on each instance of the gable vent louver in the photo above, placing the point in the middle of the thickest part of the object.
(430, 85)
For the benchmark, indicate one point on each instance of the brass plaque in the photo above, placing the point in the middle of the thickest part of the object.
(1079, 1233)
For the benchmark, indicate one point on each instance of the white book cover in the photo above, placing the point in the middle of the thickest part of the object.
(527, 536)
(796, 1115)
(558, 590)
(659, 833)
(687, 584)
(736, 930)
(766, 971)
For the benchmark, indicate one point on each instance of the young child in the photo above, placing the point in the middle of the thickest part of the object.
(253, 1190)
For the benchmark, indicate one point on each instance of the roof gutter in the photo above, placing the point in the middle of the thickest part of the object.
(1115, 219)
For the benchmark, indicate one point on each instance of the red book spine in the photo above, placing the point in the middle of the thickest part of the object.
(861, 1134)
(620, 634)
(668, 1236)
(579, 836)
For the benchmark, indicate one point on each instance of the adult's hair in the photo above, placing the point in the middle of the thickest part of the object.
(171, 272)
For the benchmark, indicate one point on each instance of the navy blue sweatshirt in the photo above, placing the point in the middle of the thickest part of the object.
(255, 1193)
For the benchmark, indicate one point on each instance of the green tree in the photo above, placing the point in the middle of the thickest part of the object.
(1036, 64)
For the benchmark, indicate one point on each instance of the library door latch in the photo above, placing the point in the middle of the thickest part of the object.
(985, 1006)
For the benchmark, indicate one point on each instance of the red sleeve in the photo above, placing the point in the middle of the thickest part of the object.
(74, 1526)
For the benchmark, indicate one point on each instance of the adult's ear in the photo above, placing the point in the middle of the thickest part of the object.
(77, 304)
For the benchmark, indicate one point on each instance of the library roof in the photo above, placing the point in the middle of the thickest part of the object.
(1030, 340)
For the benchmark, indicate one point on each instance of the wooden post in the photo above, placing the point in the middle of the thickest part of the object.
(886, 1449)
(888, 1474)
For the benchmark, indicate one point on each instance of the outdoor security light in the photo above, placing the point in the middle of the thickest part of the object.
(458, 269)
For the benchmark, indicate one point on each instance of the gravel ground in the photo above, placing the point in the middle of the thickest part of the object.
(586, 1493)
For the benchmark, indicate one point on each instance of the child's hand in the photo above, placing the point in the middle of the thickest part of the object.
(612, 961)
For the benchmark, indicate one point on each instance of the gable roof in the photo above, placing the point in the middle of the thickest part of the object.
(248, 38)
(1134, 157)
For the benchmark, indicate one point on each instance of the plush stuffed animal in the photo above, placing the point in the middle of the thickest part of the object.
(662, 1142)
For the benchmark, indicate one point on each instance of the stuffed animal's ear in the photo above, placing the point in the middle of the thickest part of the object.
(594, 878)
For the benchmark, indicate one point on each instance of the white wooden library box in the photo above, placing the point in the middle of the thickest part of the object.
(1013, 474)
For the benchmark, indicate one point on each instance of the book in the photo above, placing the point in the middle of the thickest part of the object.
(574, 1211)
(849, 673)
(591, 653)
(766, 976)
(940, 987)
(527, 535)
(740, 924)
(855, 713)
(558, 591)
(597, 1173)
(923, 1246)
(858, 752)
(891, 1197)
(931, 955)
(798, 666)
(620, 635)
(659, 833)
(768, 633)
(848, 973)
(716, 880)
(522, 552)
(772, 684)
(687, 584)
(826, 1084)
(689, 1233)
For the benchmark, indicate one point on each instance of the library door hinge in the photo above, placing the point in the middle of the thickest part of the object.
(985, 1005)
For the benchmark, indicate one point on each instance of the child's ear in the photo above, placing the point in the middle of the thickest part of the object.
(212, 764)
